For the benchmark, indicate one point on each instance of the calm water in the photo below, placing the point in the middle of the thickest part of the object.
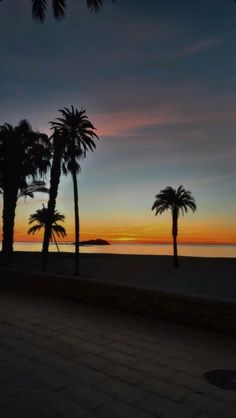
(148, 249)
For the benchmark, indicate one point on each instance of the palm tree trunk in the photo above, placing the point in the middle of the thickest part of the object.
(77, 223)
(175, 234)
(8, 217)
(54, 184)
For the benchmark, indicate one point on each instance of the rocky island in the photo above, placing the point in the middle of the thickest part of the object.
(95, 242)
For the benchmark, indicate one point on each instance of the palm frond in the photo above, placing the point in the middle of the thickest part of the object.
(39, 8)
(59, 230)
(176, 200)
(78, 133)
(33, 229)
(94, 5)
(59, 7)
(40, 217)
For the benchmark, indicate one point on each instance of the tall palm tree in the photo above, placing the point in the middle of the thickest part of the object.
(39, 219)
(24, 158)
(58, 147)
(77, 135)
(175, 200)
(39, 8)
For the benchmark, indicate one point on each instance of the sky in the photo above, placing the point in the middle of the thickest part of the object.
(157, 79)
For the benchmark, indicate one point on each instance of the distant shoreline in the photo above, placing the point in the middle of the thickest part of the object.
(135, 243)
(189, 250)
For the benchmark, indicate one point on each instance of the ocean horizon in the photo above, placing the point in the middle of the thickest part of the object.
(189, 250)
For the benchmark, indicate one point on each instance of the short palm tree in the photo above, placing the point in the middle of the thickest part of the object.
(39, 218)
(24, 159)
(175, 200)
(39, 8)
(74, 135)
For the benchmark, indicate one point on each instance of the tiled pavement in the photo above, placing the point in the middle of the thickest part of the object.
(63, 359)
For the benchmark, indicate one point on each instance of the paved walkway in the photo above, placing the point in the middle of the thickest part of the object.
(61, 359)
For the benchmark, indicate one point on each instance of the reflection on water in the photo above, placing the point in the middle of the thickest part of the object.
(148, 249)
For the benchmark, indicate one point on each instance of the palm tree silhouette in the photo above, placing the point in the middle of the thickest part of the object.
(24, 159)
(58, 146)
(175, 200)
(40, 218)
(73, 135)
(39, 8)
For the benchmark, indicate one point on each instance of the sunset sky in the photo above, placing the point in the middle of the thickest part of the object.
(158, 80)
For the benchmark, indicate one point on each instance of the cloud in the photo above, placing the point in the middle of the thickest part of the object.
(200, 46)
(127, 122)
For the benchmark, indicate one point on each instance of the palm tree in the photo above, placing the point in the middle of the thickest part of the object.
(175, 200)
(58, 146)
(75, 134)
(39, 8)
(24, 158)
(40, 218)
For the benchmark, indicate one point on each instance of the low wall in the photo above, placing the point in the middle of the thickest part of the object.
(198, 311)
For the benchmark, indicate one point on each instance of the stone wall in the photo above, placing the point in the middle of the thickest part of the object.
(198, 311)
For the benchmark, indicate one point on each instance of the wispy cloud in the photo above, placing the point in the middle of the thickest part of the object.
(200, 46)
(124, 123)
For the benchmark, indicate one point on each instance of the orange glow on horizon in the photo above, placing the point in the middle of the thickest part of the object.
(208, 239)
(131, 229)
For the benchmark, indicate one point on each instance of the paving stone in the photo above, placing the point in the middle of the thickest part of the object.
(124, 348)
(86, 396)
(63, 409)
(166, 389)
(82, 373)
(193, 382)
(29, 350)
(69, 352)
(121, 390)
(99, 339)
(120, 357)
(18, 410)
(166, 408)
(120, 410)
(128, 374)
(96, 362)
(55, 361)
(9, 341)
(7, 374)
(161, 372)
(38, 397)
(20, 383)
(53, 379)
(69, 339)
(5, 398)
(5, 354)
(92, 347)
(26, 365)
(211, 405)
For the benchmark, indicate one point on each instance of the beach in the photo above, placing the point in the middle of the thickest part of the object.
(215, 277)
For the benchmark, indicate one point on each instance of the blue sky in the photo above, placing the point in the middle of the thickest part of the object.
(157, 79)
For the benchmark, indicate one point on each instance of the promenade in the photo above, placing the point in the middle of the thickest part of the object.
(64, 359)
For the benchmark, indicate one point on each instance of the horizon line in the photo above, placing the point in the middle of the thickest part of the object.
(138, 242)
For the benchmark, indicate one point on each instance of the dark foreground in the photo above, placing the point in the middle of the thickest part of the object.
(63, 359)
(202, 276)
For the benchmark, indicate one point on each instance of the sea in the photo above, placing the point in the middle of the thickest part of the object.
(190, 250)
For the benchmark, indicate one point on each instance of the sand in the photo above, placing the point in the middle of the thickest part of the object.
(214, 277)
